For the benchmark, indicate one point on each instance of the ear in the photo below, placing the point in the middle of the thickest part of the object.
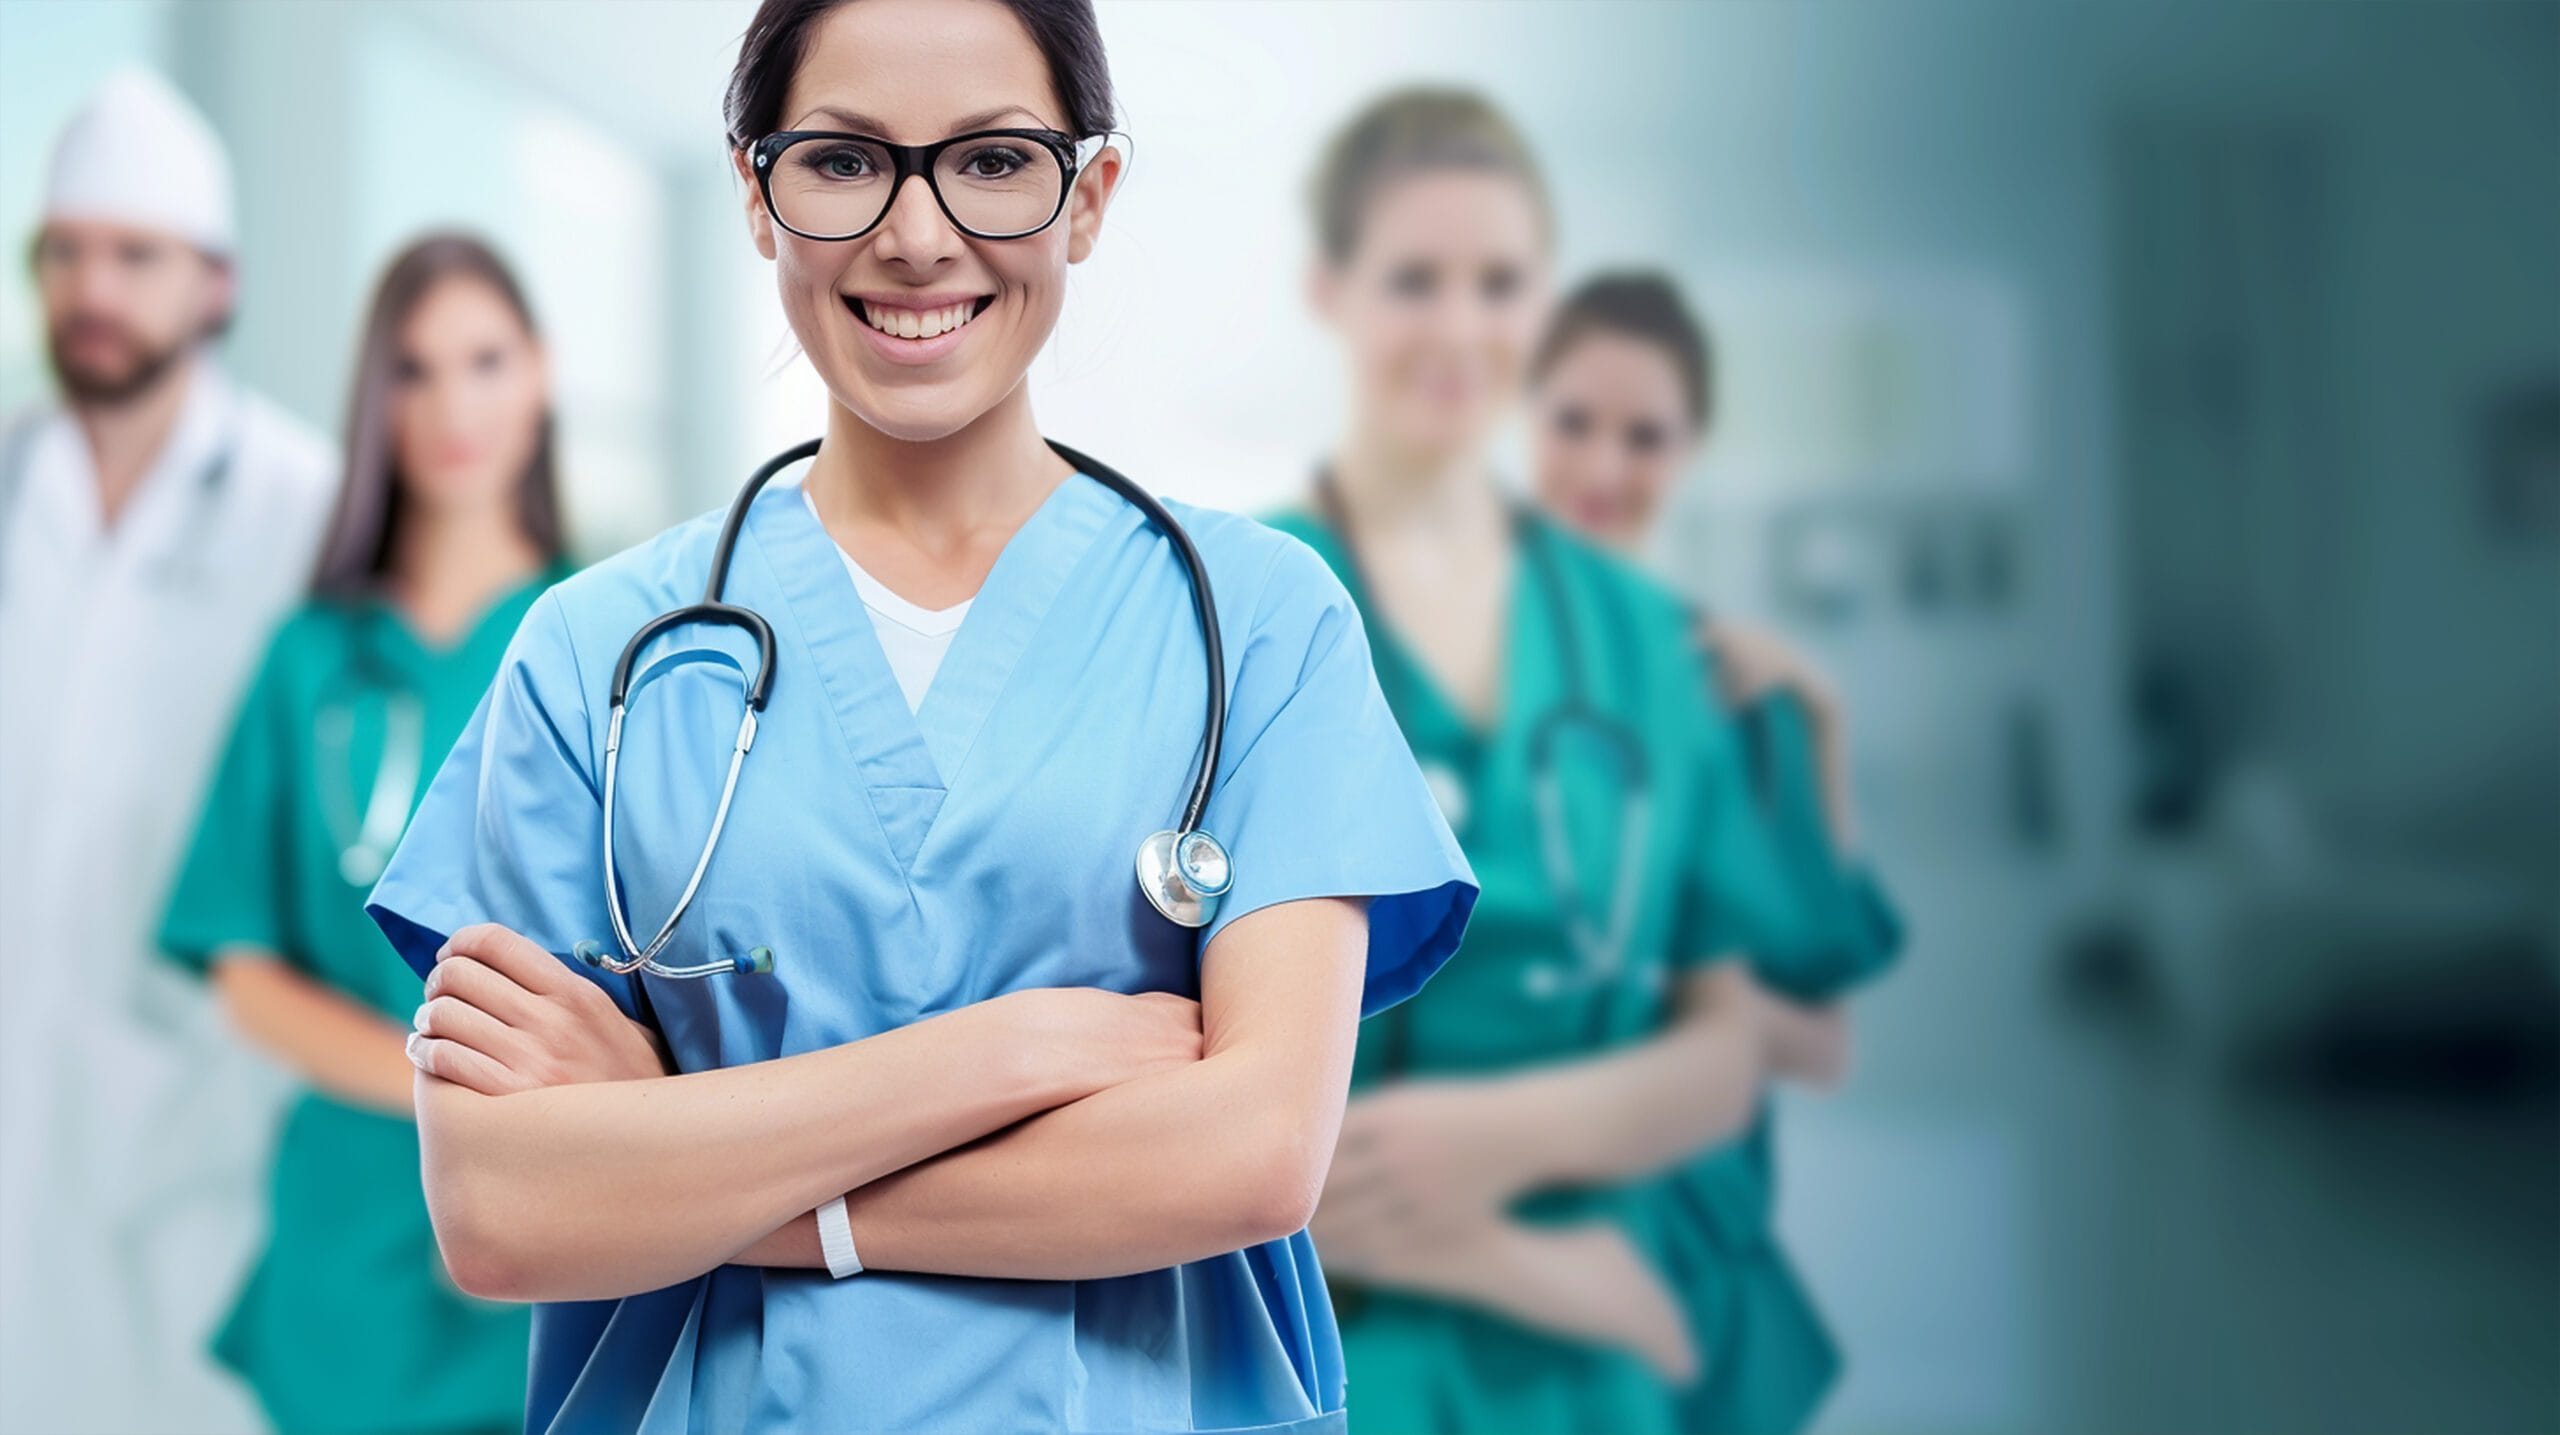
(222, 293)
(1324, 288)
(759, 219)
(542, 370)
(1095, 184)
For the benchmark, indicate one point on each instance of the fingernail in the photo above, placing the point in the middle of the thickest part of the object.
(419, 1021)
(411, 1046)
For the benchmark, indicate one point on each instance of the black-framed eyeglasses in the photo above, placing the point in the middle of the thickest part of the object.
(991, 184)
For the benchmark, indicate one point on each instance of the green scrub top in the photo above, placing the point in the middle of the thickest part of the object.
(349, 1321)
(1769, 1360)
(1714, 885)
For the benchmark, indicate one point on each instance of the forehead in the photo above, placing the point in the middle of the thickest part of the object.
(914, 71)
(75, 230)
(462, 300)
(1454, 212)
(1607, 364)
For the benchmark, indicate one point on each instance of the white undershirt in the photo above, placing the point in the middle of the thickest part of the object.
(913, 638)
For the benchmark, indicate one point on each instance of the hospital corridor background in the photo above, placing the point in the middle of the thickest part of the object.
(2148, 414)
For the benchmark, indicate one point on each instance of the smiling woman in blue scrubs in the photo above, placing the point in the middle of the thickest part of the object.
(1077, 1199)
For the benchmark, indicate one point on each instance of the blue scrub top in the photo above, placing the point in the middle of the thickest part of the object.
(902, 864)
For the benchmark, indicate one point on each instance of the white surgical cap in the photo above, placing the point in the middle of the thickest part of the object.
(137, 153)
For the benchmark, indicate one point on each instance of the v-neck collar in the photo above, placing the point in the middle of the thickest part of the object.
(171, 500)
(1403, 670)
(909, 759)
(397, 646)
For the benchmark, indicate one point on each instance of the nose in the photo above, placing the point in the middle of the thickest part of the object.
(1461, 315)
(444, 407)
(915, 231)
(94, 282)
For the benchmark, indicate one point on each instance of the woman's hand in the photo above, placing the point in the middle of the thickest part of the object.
(1752, 663)
(1594, 1273)
(1087, 1039)
(1587, 1282)
(502, 1015)
(1367, 1243)
(1417, 1156)
(1806, 1044)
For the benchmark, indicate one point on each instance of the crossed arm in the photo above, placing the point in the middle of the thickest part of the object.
(1418, 1197)
(1119, 1143)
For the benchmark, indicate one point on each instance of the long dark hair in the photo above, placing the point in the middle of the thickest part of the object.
(356, 548)
(1065, 32)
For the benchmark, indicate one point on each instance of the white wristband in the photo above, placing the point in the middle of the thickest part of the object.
(835, 1238)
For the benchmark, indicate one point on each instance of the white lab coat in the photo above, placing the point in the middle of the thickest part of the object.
(134, 1129)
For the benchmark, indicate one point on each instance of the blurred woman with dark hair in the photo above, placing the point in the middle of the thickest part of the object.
(447, 526)
(1622, 386)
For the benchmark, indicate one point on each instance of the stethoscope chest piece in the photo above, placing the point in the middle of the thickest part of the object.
(1184, 874)
(361, 866)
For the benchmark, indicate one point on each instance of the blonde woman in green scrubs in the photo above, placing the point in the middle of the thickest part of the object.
(446, 529)
(1622, 393)
(1505, 1215)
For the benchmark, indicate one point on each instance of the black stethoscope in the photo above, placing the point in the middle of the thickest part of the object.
(1600, 947)
(1183, 870)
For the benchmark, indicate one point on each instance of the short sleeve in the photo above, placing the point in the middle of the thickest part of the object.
(511, 829)
(1794, 912)
(1847, 892)
(1320, 796)
(232, 889)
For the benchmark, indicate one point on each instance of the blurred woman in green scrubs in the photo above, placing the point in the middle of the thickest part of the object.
(447, 527)
(1505, 1219)
(1622, 396)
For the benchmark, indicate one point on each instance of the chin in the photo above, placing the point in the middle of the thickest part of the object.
(913, 414)
(1444, 435)
(453, 492)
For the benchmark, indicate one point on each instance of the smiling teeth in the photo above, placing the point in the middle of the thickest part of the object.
(918, 323)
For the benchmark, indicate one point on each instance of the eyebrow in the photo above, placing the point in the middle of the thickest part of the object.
(865, 124)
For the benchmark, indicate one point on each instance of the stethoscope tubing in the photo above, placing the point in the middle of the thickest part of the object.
(376, 828)
(1213, 722)
(1600, 952)
(715, 608)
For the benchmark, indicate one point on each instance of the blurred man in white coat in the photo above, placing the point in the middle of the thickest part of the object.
(154, 524)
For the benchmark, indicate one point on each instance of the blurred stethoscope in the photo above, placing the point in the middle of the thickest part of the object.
(1576, 722)
(365, 833)
(1183, 870)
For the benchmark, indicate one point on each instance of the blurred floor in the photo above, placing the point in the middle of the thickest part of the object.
(2021, 1217)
